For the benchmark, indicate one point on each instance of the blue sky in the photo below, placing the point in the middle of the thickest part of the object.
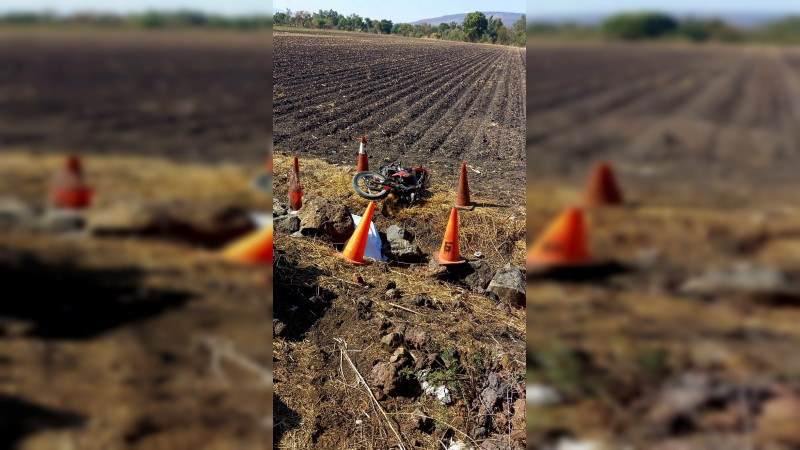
(397, 11)
(408, 10)
(604, 6)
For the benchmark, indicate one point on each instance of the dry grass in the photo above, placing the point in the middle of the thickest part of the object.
(324, 395)
(497, 230)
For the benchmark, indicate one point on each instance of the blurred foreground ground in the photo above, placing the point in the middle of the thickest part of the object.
(138, 338)
(704, 146)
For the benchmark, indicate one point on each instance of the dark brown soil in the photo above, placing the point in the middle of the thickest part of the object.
(189, 96)
(426, 103)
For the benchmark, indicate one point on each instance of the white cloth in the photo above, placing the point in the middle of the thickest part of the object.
(261, 220)
(373, 249)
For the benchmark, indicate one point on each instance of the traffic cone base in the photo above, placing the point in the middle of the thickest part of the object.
(363, 262)
(469, 207)
(563, 243)
(354, 250)
(442, 262)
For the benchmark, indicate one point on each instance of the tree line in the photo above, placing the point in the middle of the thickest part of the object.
(476, 27)
(146, 20)
(637, 26)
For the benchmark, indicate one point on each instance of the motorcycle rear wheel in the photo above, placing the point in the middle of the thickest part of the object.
(369, 185)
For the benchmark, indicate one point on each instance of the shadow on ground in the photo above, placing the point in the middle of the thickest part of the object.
(19, 418)
(286, 419)
(63, 301)
(298, 301)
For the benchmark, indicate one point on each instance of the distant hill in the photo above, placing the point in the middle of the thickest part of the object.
(508, 18)
(739, 19)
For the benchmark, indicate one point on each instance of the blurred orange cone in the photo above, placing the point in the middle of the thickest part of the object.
(354, 250)
(462, 200)
(295, 191)
(602, 189)
(563, 243)
(254, 248)
(363, 161)
(449, 254)
(69, 190)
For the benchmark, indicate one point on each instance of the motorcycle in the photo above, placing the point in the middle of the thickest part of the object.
(404, 182)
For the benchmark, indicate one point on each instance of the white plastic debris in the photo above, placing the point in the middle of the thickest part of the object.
(459, 445)
(359, 422)
(572, 444)
(443, 394)
(542, 395)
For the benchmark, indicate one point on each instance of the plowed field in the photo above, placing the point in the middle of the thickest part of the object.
(424, 102)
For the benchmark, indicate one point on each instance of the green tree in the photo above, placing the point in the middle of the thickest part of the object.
(644, 25)
(385, 26)
(474, 25)
(518, 32)
(492, 27)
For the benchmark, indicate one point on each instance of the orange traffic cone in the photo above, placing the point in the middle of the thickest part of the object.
(449, 254)
(354, 250)
(295, 191)
(69, 190)
(462, 200)
(602, 189)
(563, 243)
(254, 248)
(363, 162)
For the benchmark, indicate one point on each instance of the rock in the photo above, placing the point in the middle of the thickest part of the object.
(679, 401)
(322, 217)
(480, 433)
(278, 209)
(509, 285)
(480, 277)
(417, 337)
(495, 445)
(55, 221)
(542, 395)
(400, 357)
(392, 340)
(778, 421)
(416, 300)
(743, 278)
(392, 294)
(395, 233)
(15, 213)
(417, 420)
(287, 224)
(384, 376)
(405, 252)
(364, 307)
(494, 393)
(205, 223)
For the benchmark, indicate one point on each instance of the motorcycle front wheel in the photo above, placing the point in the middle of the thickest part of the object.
(370, 185)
